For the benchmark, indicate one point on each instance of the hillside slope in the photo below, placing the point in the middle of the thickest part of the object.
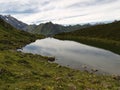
(50, 29)
(105, 36)
(12, 38)
(14, 22)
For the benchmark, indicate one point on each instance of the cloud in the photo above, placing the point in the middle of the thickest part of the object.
(89, 3)
(62, 11)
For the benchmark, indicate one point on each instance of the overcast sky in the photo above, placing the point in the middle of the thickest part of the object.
(62, 11)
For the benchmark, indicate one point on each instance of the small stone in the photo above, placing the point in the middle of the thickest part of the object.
(84, 66)
(116, 77)
(72, 87)
(59, 66)
(94, 70)
(58, 78)
(51, 59)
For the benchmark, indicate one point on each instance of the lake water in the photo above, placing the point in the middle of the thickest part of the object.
(76, 55)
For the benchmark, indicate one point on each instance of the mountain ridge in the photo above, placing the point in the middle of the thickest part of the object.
(14, 22)
(47, 29)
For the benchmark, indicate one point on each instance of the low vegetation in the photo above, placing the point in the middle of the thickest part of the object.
(105, 36)
(21, 71)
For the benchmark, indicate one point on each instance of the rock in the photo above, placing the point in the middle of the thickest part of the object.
(86, 71)
(84, 66)
(116, 77)
(59, 66)
(58, 78)
(94, 70)
(51, 59)
(72, 87)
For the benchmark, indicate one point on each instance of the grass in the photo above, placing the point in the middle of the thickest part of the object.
(22, 71)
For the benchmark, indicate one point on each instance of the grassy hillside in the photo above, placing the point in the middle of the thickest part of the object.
(10, 38)
(105, 36)
(20, 71)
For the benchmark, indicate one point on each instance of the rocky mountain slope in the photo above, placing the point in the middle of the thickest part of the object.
(14, 22)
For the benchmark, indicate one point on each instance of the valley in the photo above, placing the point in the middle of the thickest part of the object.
(26, 71)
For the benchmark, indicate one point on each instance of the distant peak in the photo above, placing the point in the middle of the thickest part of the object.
(49, 22)
(8, 15)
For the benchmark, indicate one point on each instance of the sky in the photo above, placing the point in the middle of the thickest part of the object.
(61, 11)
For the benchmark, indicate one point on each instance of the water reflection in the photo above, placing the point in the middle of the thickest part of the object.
(74, 54)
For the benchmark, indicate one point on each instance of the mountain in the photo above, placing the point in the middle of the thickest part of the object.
(105, 36)
(50, 29)
(11, 38)
(47, 29)
(14, 22)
